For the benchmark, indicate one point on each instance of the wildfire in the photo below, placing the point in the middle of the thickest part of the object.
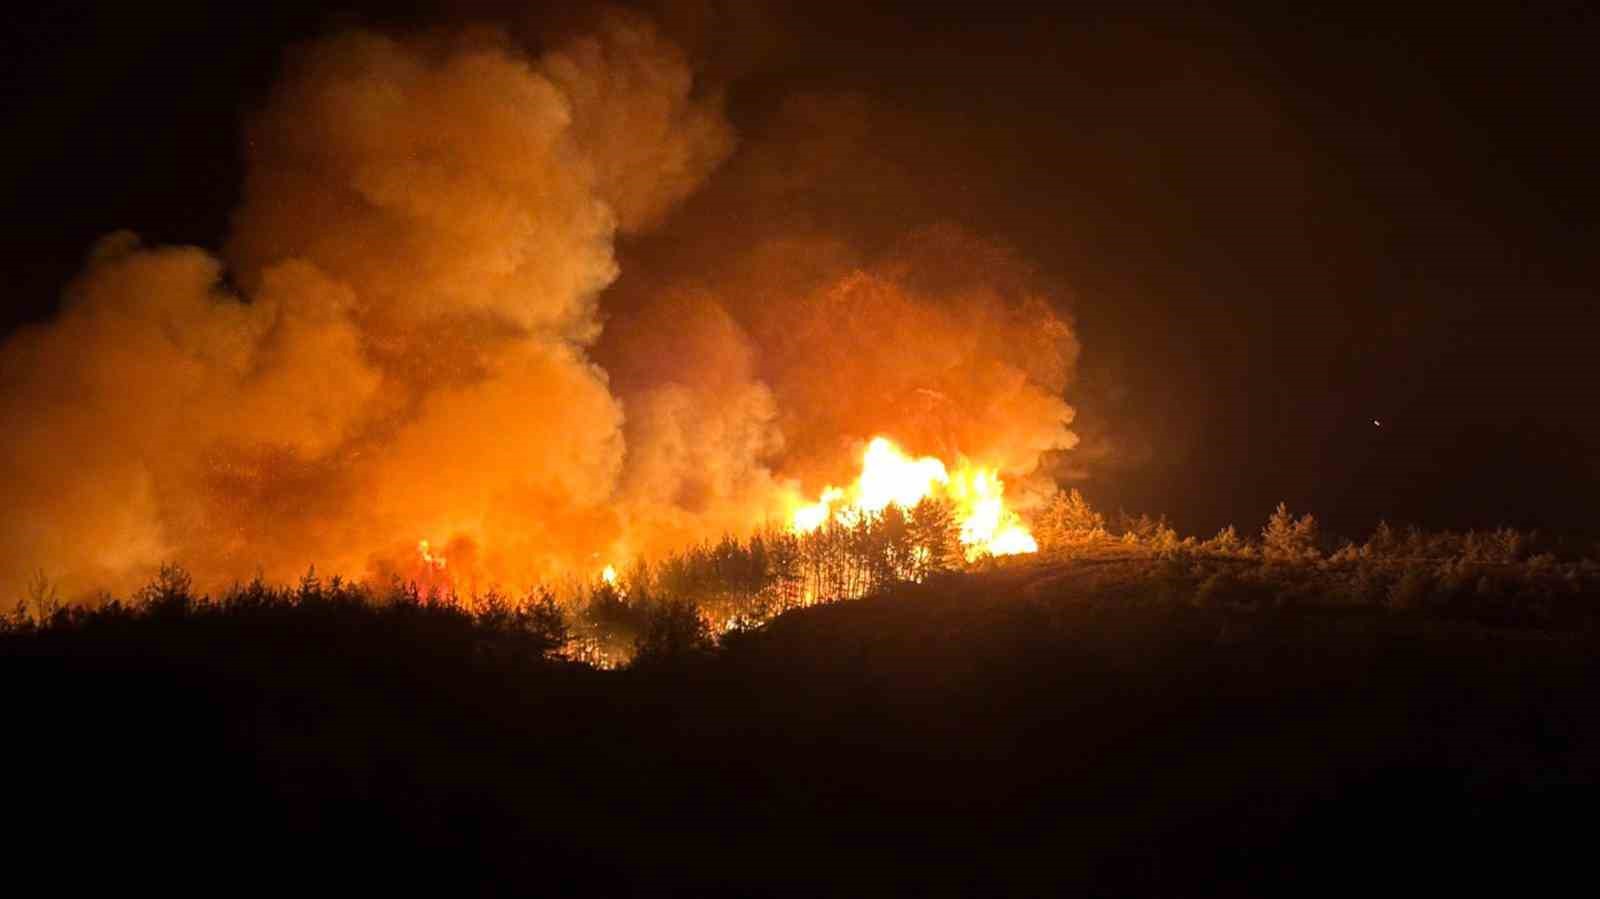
(609, 575)
(430, 561)
(888, 475)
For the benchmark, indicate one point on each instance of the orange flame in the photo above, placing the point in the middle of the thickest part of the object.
(888, 476)
(429, 560)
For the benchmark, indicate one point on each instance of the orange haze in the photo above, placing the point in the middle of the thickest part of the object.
(412, 333)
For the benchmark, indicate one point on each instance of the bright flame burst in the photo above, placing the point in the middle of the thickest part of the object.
(609, 575)
(430, 560)
(888, 475)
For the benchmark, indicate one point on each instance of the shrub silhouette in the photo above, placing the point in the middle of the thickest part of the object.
(1413, 591)
(675, 632)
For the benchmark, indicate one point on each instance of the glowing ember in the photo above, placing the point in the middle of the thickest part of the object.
(429, 560)
(888, 476)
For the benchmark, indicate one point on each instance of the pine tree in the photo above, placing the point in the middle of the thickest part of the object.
(1287, 539)
(1068, 520)
(1383, 543)
(673, 632)
(1307, 535)
(937, 536)
(1227, 543)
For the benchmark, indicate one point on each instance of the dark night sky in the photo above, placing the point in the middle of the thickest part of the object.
(1276, 225)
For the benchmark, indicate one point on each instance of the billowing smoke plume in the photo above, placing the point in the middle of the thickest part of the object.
(413, 334)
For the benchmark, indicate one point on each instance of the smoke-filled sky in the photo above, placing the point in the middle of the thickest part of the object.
(547, 286)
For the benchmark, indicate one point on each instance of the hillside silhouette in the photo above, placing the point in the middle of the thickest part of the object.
(1105, 719)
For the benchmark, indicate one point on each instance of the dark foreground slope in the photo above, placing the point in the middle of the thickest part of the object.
(1035, 730)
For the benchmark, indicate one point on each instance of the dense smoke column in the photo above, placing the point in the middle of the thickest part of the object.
(414, 331)
(426, 227)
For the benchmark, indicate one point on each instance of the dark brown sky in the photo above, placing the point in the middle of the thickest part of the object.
(1275, 226)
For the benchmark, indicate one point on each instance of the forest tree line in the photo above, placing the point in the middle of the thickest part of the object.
(682, 605)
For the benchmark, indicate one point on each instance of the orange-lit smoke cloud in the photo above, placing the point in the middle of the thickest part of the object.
(410, 335)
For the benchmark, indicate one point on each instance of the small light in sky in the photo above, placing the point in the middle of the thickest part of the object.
(1376, 423)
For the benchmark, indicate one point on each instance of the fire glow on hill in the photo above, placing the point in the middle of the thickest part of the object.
(888, 476)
